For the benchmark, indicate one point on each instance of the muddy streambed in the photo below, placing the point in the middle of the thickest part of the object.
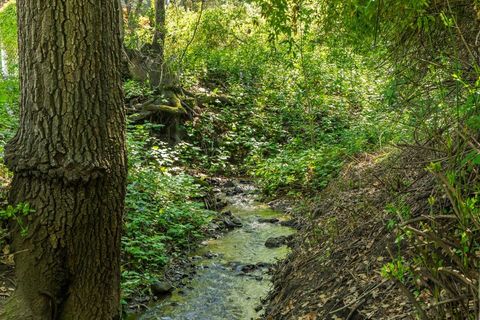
(232, 272)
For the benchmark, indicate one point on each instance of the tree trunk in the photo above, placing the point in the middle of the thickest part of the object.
(69, 162)
(157, 69)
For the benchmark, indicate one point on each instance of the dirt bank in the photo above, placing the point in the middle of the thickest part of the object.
(334, 271)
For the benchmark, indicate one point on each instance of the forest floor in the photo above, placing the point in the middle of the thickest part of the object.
(334, 270)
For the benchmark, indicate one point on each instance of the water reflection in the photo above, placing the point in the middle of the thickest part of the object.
(222, 289)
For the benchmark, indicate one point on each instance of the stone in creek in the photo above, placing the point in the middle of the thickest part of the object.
(281, 206)
(160, 288)
(212, 227)
(220, 201)
(237, 221)
(234, 191)
(290, 223)
(264, 265)
(229, 184)
(246, 268)
(230, 221)
(210, 255)
(268, 220)
(276, 242)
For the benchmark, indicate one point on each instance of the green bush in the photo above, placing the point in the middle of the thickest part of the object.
(8, 35)
(164, 216)
(293, 170)
(294, 112)
(9, 87)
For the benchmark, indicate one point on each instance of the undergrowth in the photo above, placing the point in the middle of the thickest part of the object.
(165, 215)
(294, 115)
(9, 93)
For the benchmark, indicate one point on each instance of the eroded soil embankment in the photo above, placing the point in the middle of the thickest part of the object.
(334, 270)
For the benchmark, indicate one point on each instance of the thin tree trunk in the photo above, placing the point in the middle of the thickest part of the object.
(69, 162)
(157, 71)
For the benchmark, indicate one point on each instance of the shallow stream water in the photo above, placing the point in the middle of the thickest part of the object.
(231, 272)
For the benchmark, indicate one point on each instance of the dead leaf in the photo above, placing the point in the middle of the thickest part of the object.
(310, 316)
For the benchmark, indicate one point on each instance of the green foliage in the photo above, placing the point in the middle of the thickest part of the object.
(9, 87)
(133, 88)
(396, 269)
(17, 213)
(9, 94)
(8, 27)
(9, 97)
(139, 29)
(294, 112)
(8, 32)
(293, 169)
(164, 215)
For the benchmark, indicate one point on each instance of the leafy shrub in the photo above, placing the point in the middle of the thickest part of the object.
(293, 114)
(9, 86)
(293, 170)
(133, 88)
(8, 35)
(163, 216)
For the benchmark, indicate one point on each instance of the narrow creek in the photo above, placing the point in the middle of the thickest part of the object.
(232, 272)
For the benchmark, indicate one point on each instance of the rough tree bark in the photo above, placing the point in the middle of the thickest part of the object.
(69, 161)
